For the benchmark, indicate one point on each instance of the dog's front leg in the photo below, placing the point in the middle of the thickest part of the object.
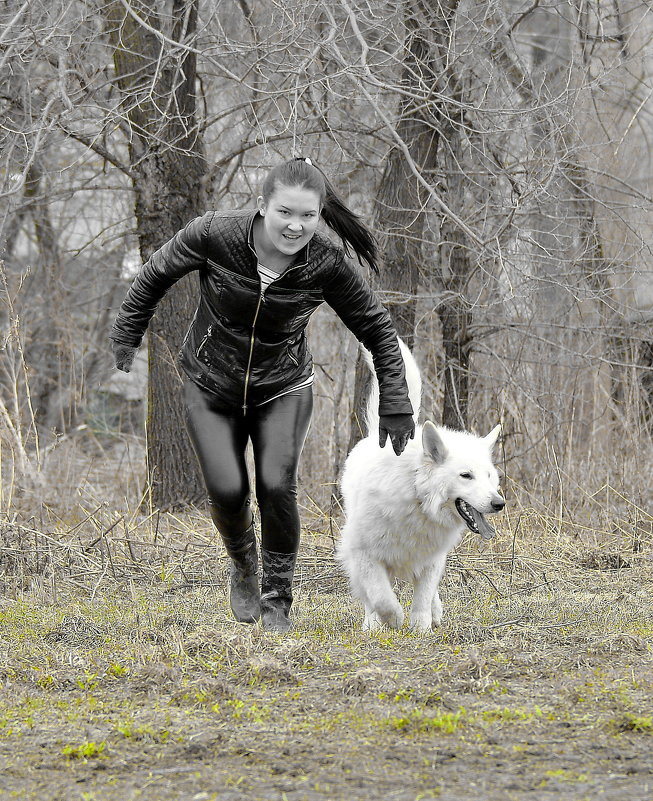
(381, 604)
(426, 608)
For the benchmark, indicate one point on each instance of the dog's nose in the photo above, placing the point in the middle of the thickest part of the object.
(498, 505)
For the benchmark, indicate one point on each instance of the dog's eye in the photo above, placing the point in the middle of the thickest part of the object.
(467, 475)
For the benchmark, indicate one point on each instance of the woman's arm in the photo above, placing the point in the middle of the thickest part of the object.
(182, 254)
(355, 303)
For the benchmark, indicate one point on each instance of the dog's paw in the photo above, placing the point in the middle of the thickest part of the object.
(394, 618)
(436, 616)
(371, 622)
(436, 611)
(420, 623)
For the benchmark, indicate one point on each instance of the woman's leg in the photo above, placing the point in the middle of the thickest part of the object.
(278, 438)
(278, 433)
(220, 439)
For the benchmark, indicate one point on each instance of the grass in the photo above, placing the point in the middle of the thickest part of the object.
(122, 674)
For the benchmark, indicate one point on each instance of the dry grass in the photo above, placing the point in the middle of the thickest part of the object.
(123, 676)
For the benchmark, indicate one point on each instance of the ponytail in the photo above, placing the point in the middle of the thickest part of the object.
(347, 225)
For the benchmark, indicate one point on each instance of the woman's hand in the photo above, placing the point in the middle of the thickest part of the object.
(123, 355)
(399, 427)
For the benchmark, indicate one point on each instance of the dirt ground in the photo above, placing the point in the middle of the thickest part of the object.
(539, 685)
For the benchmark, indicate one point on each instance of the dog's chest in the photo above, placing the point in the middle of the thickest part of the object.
(408, 539)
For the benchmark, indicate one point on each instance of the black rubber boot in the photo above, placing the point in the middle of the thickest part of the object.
(244, 593)
(276, 590)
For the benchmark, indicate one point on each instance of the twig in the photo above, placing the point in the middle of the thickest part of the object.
(103, 534)
(88, 517)
(513, 622)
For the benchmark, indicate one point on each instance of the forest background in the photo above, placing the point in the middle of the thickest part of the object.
(500, 150)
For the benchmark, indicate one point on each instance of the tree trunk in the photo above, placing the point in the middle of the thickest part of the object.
(158, 91)
(401, 205)
(645, 363)
(402, 200)
(454, 311)
(50, 385)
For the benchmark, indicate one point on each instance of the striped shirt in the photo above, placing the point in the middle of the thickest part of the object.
(266, 275)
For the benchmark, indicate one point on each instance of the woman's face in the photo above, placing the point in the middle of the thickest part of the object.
(290, 216)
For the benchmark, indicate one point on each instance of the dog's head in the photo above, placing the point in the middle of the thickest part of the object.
(466, 474)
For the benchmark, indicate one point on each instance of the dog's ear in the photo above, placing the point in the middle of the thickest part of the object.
(491, 439)
(432, 443)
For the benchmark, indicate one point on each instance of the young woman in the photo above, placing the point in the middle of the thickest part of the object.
(249, 373)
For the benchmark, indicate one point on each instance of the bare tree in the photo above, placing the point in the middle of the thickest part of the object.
(500, 149)
(157, 81)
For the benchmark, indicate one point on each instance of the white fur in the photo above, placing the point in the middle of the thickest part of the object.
(401, 520)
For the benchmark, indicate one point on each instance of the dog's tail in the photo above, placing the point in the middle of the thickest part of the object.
(413, 379)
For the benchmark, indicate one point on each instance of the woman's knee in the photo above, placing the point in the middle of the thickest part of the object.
(228, 502)
(277, 493)
(232, 518)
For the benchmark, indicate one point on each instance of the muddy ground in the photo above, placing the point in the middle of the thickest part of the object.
(539, 685)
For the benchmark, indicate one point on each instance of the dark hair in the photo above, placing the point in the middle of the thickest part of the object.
(303, 173)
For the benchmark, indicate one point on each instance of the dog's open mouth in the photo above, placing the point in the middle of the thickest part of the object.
(474, 520)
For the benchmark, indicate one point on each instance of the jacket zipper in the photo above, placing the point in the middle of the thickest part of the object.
(292, 358)
(204, 341)
(251, 349)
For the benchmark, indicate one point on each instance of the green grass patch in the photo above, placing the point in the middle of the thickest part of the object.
(418, 722)
(84, 751)
(636, 723)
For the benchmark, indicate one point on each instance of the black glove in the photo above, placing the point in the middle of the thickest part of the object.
(400, 427)
(123, 355)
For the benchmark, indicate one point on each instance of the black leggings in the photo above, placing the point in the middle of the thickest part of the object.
(277, 430)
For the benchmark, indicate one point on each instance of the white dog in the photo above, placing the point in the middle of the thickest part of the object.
(405, 513)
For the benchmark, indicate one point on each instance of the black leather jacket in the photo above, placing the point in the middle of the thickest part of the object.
(244, 346)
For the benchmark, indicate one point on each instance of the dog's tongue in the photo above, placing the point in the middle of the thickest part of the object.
(484, 528)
